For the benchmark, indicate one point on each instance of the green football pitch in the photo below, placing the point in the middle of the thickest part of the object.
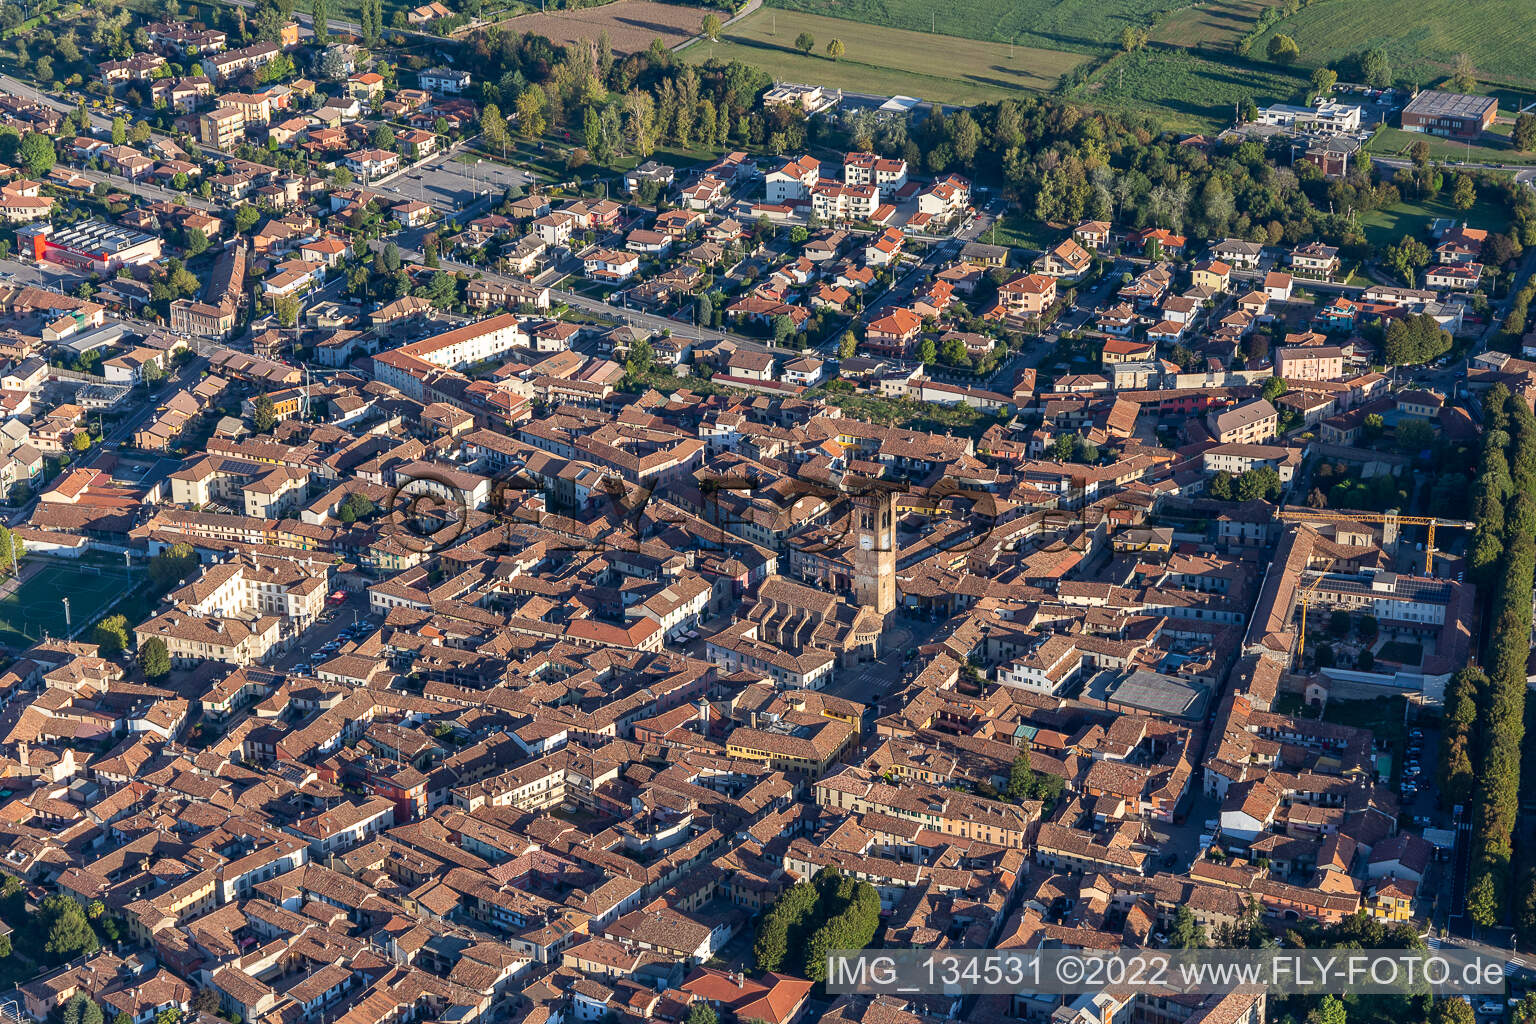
(36, 608)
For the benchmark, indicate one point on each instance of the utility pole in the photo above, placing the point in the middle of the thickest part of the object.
(68, 626)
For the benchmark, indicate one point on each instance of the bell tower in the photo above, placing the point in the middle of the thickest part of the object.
(874, 553)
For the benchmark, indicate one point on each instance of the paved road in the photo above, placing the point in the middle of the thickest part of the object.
(300, 656)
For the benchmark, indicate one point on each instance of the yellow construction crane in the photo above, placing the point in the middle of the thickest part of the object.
(1306, 595)
(1390, 520)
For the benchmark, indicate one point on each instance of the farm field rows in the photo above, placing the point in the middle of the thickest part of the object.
(1186, 90)
(1496, 34)
(1085, 26)
(1218, 25)
(630, 24)
(885, 61)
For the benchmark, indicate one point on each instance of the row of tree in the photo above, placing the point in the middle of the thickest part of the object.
(1482, 750)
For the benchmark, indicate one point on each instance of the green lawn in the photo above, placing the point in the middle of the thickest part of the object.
(1494, 147)
(37, 605)
(1084, 26)
(1023, 232)
(1383, 227)
(1185, 90)
(1422, 38)
(886, 61)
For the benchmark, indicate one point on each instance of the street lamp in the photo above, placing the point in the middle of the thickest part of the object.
(68, 626)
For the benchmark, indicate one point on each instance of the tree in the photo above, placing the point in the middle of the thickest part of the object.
(64, 924)
(119, 131)
(1323, 81)
(805, 43)
(1414, 435)
(1338, 624)
(1465, 77)
(1133, 38)
(711, 31)
(321, 12)
(206, 1000)
(383, 137)
(1483, 901)
(155, 658)
(702, 1013)
(493, 128)
(1258, 484)
(151, 373)
(835, 49)
(1406, 257)
(5, 946)
(10, 546)
(263, 414)
(848, 345)
(1452, 1010)
(530, 112)
(1021, 779)
(112, 635)
(640, 360)
(81, 441)
(287, 309)
(196, 242)
(372, 22)
(1331, 1011)
(1524, 133)
(926, 352)
(1416, 339)
(1272, 389)
(355, 506)
(172, 565)
(1525, 1010)
(1376, 68)
(1282, 49)
(37, 153)
(246, 217)
(1186, 933)
(1465, 194)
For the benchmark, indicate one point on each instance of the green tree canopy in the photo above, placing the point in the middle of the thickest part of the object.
(68, 933)
(155, 658)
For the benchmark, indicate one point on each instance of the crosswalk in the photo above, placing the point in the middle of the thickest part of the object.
(1515, 964)
(1433, 942)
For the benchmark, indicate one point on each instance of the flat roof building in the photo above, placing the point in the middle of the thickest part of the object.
(1451, 114)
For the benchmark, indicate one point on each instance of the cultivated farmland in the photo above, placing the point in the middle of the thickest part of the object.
(1496, 34)
(884, 61)
(630, 24)
(1187, 91)
(1214, 26)
(1084, 26)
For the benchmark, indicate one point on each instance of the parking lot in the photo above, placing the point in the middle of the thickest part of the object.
(451, 183)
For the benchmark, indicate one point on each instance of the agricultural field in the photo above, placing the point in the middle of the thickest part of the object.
(1211, 26)
(1496, 34)
(630, 24)
(1187, 91)
(885, 61)
(1082, 26)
